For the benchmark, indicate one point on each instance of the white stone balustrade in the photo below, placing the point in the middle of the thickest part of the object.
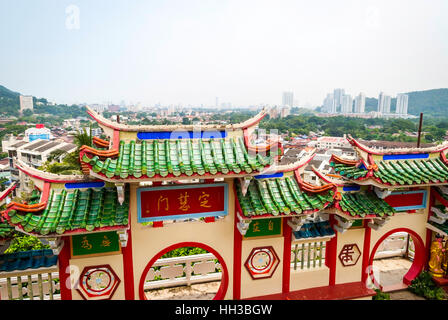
(180, 271)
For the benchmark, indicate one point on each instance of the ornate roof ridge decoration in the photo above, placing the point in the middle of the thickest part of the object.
(100, 142)
(70, 212)
(313, 188)
(439, 148)
(148, 128)
(47, 176)
(7, 191)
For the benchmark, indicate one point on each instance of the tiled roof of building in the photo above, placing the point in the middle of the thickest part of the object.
(276, 196)
(361, 204)
(393, 144)
(47, 146)
(18, 144)
(36, 144)
(32, 259)
(67, 147)
(78, 211)
(179, 158)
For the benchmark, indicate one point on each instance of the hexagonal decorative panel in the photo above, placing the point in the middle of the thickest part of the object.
(349, 255)
(262, 262)
(98, 282)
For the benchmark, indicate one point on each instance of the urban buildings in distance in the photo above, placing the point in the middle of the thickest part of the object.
(340, 103)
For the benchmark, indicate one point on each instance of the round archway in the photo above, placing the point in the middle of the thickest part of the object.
(220, 294)
(419, 256)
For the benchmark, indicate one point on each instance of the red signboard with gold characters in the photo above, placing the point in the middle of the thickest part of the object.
(182, 202)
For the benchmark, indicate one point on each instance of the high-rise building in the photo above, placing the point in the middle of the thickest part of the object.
(360, 103)
(402, 103)
(329, 105)
(26, 103)
(347, 104)
(288, 99)
(337, 96)
(384, 103)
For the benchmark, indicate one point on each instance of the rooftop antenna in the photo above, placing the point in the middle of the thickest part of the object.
(420, 130)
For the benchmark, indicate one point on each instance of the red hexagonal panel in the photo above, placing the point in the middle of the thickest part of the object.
(262, 262)
(98, 282)
(349, 255)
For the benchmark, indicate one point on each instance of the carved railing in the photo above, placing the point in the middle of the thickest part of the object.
(37, 284)
(183, 271)
(395, 246)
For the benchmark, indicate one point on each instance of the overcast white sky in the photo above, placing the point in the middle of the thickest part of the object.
(242, 51)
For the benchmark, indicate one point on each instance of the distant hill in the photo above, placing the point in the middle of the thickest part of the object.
(9, 101)
(10, 106)
(431, 102)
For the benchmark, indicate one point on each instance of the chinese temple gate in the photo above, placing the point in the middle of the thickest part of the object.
(151, 189)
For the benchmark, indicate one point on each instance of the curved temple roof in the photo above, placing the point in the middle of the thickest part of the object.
(70, 212)
(148, 128)
(47, 176)
(361, 146)
(158, 159)
(281, 196)
(395, 172)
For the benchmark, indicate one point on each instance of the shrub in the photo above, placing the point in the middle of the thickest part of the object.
(381, 295)
(424, 286)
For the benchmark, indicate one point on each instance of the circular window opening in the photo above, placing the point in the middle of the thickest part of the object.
(185, 272)
(396, 259)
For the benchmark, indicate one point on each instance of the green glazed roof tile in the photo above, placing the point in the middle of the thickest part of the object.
(73, 210)
(360, 204)
(399, 172)
(179, 157)
(275, 196)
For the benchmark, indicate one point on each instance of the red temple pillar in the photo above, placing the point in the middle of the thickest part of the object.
(366, 252)
(128, 269)
(331, 254)
(287, 234)
(64, 270)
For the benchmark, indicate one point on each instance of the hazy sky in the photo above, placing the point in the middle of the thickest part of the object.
(243, 51)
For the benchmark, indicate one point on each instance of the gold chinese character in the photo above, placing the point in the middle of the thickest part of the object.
(271, 225)
(163, 199)
(203, 200)
(106, 242)
(85, 243)
(256, 227)
(183, 202)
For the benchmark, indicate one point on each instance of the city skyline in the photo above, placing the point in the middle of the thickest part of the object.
(245, 53)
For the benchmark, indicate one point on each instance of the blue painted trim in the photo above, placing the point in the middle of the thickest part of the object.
(351, 188)
(80, 185)
(140, 219)
(406, 208)
(405, 156)
(274, 175)
(362, 166)
(181, 135)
